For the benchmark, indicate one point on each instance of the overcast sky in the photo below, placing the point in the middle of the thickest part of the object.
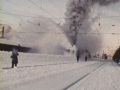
(13, 11)
(54, 9)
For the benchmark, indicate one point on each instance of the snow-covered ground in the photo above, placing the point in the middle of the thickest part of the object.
(30, 59)
(105, 78)
(23, 74)
(32, 65)
(51, 76)
(95, 74)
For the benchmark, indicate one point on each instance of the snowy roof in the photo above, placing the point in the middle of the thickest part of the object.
(10, 42)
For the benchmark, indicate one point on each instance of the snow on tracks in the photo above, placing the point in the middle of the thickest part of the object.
(75, 84)
(105, 78)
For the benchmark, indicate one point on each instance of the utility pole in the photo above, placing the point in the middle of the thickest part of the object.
(108, 51)
(3, 32)
(118, 40)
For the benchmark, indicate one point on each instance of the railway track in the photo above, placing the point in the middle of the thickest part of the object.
(77, 83)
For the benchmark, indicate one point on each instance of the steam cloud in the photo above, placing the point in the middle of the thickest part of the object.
(49, 42)
(78, 15)
(43, 36)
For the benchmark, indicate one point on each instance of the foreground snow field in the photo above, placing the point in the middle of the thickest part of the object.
(105, 78)
(29, 59)
(92, 75)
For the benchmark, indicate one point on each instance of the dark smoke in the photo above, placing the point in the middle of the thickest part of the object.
(77, 21)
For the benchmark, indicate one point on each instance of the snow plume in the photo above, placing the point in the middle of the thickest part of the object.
(43, 35)
(78, 21)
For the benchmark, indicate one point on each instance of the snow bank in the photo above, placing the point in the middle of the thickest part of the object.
(33, 66)
(29, 59)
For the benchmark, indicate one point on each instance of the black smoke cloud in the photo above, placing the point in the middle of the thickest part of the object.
(78, 11)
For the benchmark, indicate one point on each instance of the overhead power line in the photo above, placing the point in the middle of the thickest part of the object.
(41, 8)
(55, 5)
(18, 15)
(59, 9)
(70, 33)
(8, 13)
(22, 8)
(26, 9)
